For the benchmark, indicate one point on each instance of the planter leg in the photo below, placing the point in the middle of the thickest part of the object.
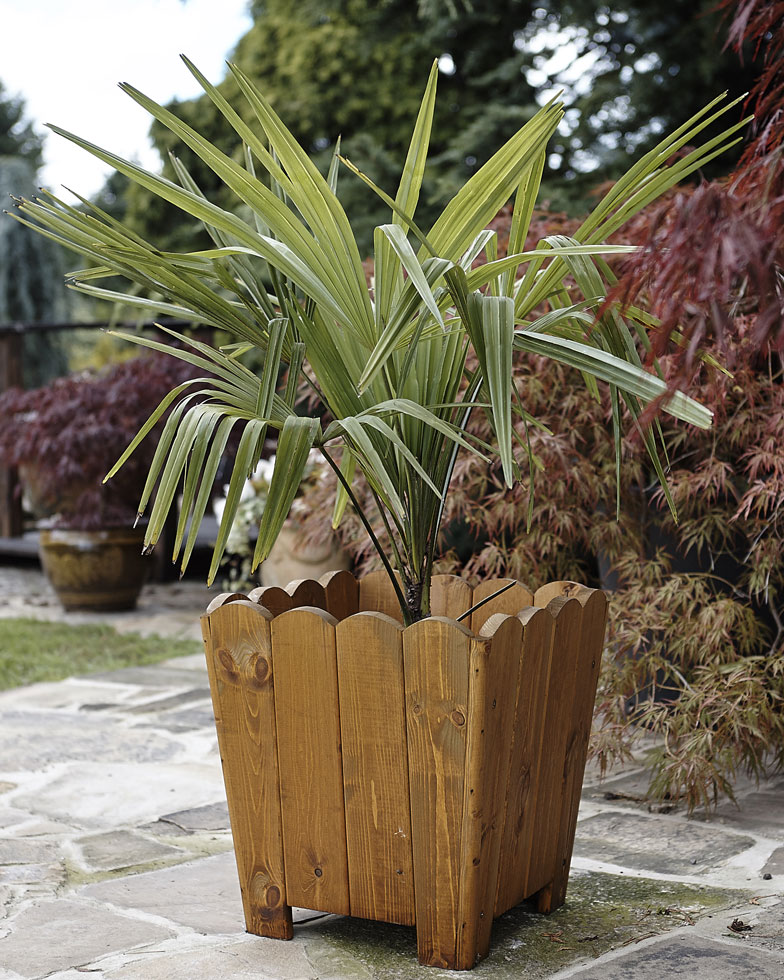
(553, 895)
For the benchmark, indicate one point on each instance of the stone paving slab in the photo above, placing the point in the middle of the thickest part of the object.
(96, 795)
(117, 849)
(214, 816)
(632, 840)
(34, 740)
(204, 895)
(775, 863)
(686, 956)
(196, 958)
(51, 936)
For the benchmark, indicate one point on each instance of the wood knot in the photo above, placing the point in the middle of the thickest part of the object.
(417, 709)
(227, 661)
(457, 718)
(318, 872)
(261, 669)
(272, 896)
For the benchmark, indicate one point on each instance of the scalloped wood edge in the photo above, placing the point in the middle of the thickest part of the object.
(426, 776)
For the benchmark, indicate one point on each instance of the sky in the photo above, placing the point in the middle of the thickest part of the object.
(65, 58)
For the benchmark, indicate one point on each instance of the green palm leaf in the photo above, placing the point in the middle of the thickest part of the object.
(397, 370)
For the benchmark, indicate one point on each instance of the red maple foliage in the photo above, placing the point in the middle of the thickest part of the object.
(713, 255)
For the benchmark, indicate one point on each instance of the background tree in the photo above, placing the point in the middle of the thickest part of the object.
(31, 267)
(18, 138)
(356, 69)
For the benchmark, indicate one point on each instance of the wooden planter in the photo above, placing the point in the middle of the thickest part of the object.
(426, 776)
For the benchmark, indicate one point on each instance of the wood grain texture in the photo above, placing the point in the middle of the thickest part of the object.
(306, 592)
(375, 768)
(510, 602)
(493, 675)
(558, 712)
(377, 594)
(311, 779)
(237, 646)
(272, 598)
(586, 676)
(436, 654)
(450, 596)
(526, 748)
(341, 591)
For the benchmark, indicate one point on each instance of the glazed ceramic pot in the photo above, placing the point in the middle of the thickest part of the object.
(101, 570)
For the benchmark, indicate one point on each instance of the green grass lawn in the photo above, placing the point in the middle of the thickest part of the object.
(32, 650)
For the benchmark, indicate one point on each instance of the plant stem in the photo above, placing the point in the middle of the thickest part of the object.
(404, 608)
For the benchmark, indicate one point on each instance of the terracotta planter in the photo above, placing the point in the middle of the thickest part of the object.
(290, 560)
(95, 570)
(427, 776)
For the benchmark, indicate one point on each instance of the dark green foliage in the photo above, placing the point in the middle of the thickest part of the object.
(645, 65)
(18, 138)
(355, 69)
(31, 267)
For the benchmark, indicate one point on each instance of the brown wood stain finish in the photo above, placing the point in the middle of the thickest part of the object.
(375, 772)
(237, 645)
(436, 654)
(307, 714)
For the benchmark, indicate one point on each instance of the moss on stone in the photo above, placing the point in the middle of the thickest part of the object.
(602, 912)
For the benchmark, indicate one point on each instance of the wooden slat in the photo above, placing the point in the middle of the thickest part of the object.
(271, 597)
(341, 591)
(509, 602)
(377, 594)
(558, 712)
(494, 669)
(311, 779)
(450, 596)
(223, 599)
(586, 676)
(436, 660)
(375, 768)
(306, 592)
(237, 645)
(526, 749)
(565, 589)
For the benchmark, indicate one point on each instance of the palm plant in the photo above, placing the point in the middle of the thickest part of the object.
(398, 365)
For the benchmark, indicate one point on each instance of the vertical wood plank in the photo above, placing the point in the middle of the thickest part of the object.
(311, 779)
(523, 786)
(223, 599)
(436, 662)
(564, 588)
(271, 597)
(375, 768)
(306, 592)
(556, 725)
(509, 602)
(494, 669)
(377, 594)
(237, 646)
(341, 591)
(587, 656)
(450, 596)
